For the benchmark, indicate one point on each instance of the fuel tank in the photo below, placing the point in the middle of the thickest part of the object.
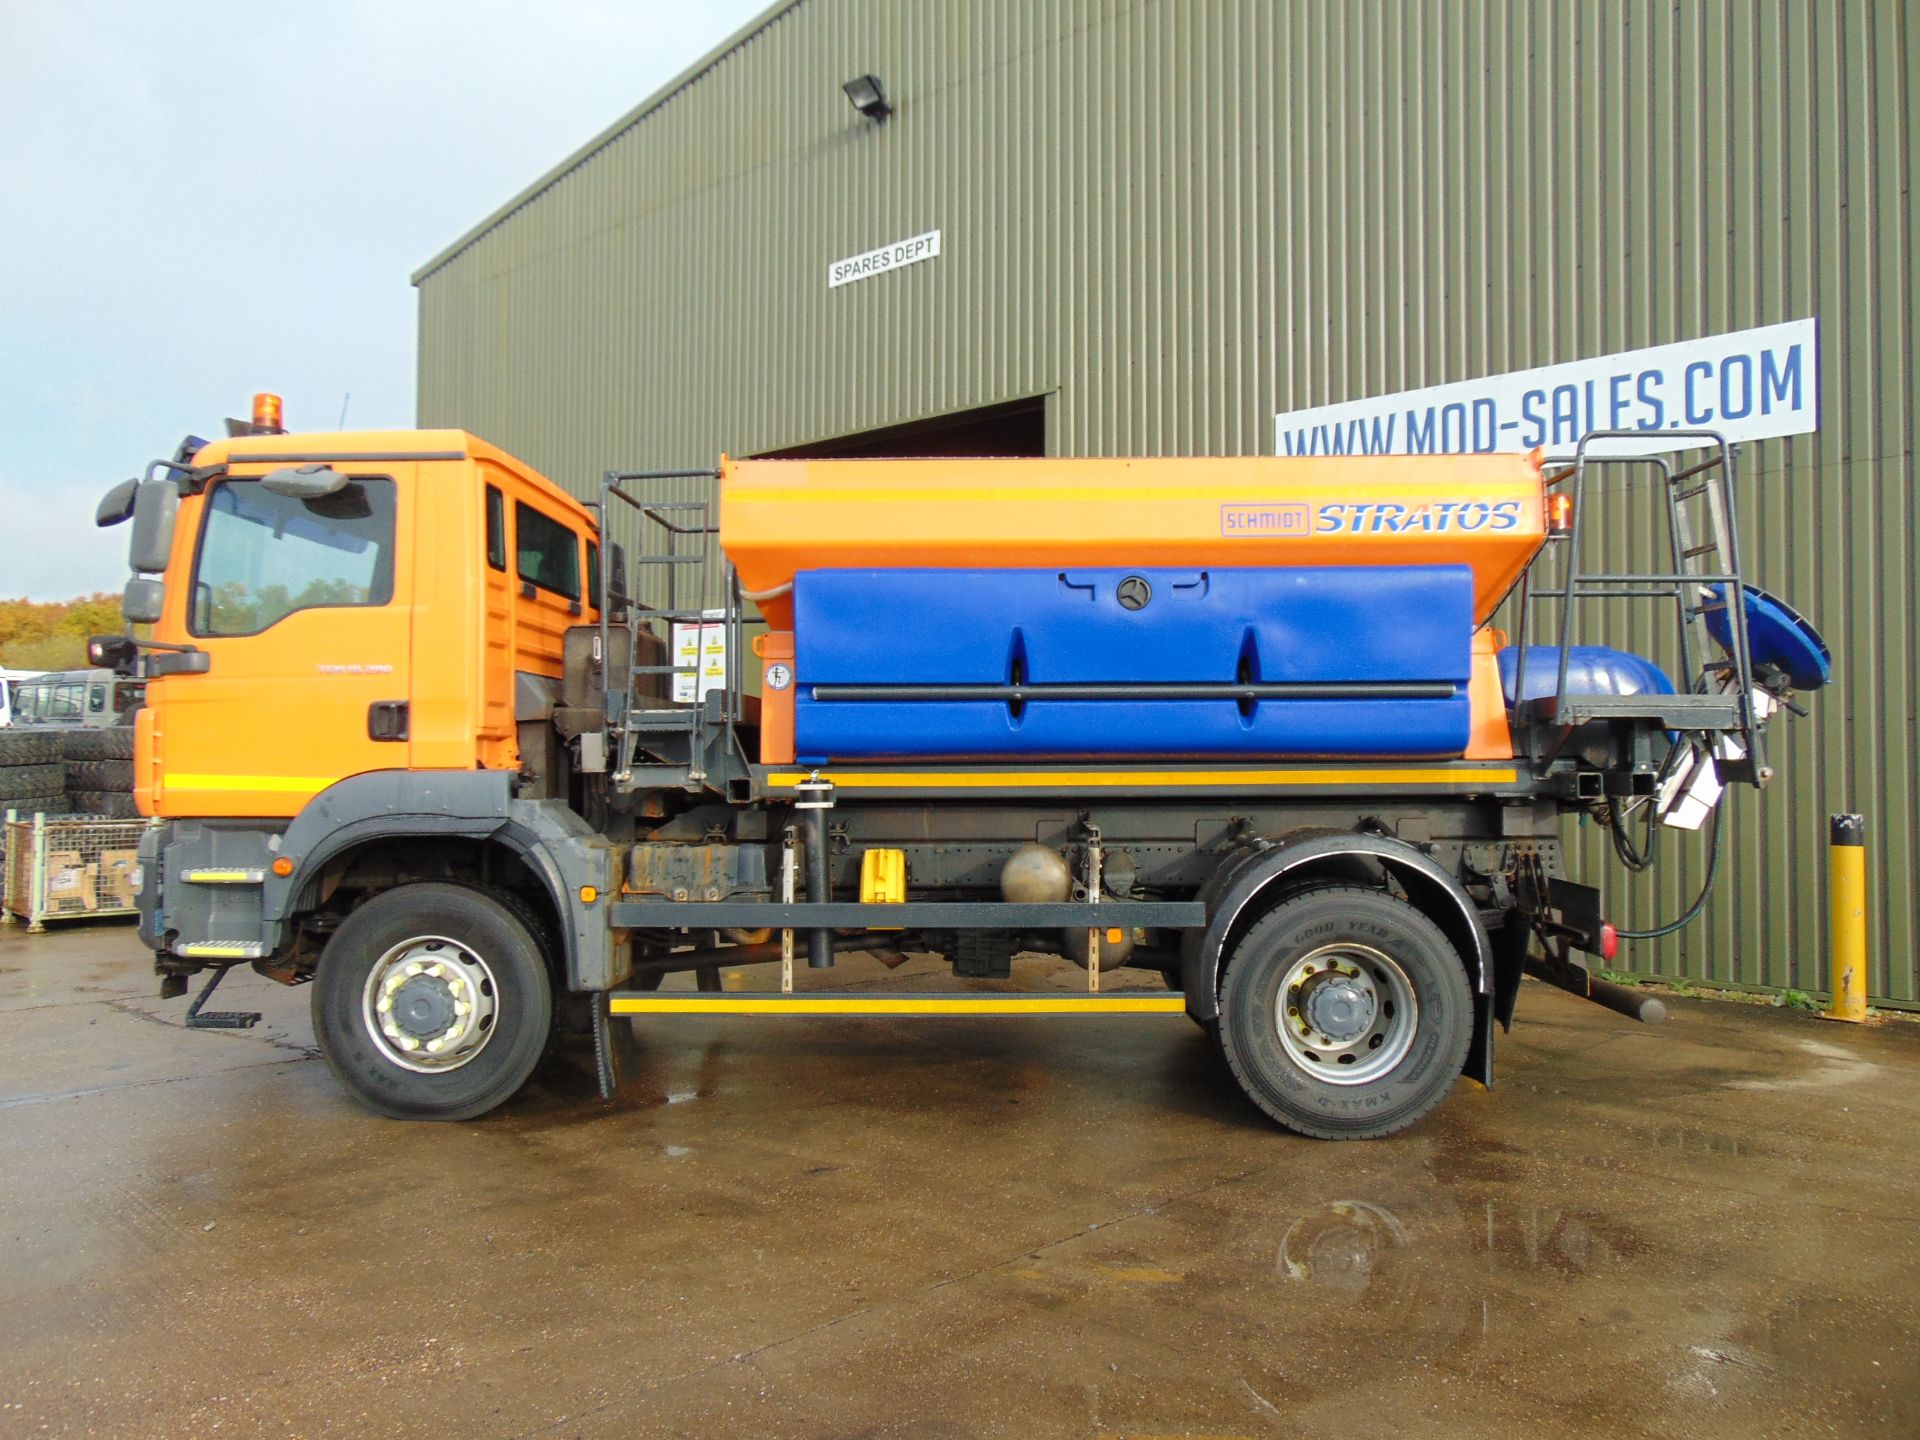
(781, 517)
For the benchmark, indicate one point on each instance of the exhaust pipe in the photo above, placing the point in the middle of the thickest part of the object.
(1647, 1009)
(1575, 979)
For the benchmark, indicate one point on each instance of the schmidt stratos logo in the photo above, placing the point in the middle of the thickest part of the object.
(1291, 518)
(1338, 517)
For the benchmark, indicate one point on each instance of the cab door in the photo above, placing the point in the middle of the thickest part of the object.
(304, 611)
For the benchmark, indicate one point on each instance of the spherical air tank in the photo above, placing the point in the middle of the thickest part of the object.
(1036, 875)
(1113, 953)
(1039, 875)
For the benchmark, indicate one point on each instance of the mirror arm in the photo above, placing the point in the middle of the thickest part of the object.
(179, 660)
(117, 653)
(192, 478)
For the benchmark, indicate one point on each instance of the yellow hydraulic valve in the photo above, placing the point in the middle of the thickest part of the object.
(883, 879)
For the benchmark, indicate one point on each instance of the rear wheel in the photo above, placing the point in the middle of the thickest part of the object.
(1345, 1013)
(432, 1002)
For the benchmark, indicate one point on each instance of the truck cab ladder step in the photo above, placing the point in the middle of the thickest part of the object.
(219, 949)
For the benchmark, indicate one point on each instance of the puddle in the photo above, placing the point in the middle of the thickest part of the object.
(1841, 1067)
(1541, 1237)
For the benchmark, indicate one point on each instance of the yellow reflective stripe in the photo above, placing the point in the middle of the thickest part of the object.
(221, 877)
(210, 950)
(697, 1004)
(1031, 779)
(308, 783)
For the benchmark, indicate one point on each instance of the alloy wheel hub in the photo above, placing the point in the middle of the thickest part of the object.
(1341, 1008)
(430, 1004)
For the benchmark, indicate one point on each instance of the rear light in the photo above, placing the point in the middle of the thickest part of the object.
(268, 413)
(1609, 942)
(1559, 515)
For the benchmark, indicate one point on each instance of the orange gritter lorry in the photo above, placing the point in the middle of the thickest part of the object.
(1241, 738)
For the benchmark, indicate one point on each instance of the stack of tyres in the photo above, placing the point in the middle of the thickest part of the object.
(32, 780)
(99, 772)
(31, 777)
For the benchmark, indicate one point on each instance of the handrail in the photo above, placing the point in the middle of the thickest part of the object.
(1718, 491)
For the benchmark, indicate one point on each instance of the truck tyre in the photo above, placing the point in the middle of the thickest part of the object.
(29, 747)
(17, 781)
(1345, 1013)
(432, 1002)
(54, 802)
(114, 804)
(111, 742)
(100, 775)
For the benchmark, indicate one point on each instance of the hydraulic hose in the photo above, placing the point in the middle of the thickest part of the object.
(1706, 888)
(1638, 861)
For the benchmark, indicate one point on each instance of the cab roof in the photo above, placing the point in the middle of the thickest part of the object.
(303, 447)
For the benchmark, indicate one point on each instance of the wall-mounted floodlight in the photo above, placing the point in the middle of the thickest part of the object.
(867, 97)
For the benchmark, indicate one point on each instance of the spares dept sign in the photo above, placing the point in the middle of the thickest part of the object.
(1748, 385)
(888, 257)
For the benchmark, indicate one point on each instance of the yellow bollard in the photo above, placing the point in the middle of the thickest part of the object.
(1847, 917)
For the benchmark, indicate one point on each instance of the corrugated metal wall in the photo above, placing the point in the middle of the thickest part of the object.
(1176, 219)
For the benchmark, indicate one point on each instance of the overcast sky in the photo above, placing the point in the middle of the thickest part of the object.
(199, 200)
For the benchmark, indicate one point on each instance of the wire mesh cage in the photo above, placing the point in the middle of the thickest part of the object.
(70, 867)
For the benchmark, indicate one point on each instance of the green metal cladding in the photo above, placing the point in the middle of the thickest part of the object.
(1175, 220)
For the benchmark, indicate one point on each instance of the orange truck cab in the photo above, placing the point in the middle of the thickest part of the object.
(394, 623)
(1243, 729)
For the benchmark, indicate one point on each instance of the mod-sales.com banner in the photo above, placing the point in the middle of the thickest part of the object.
(1748, 385)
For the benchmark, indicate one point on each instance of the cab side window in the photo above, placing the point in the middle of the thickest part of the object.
(549, 552)
(496, 528)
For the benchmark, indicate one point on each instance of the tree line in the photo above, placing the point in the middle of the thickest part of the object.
(52, 634)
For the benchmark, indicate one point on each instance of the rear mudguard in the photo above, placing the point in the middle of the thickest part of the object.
(1234, 894)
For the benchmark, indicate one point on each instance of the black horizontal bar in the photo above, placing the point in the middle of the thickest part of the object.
(1126, 690)
(913, 914)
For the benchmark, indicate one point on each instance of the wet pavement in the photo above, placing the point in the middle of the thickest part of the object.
(947, 1228)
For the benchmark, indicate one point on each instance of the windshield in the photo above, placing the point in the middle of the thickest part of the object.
(263, 556)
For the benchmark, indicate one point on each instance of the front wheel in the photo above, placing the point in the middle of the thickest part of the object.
(1345, 1013)
(432, 1002)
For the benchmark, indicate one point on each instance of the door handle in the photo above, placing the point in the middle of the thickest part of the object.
(387, 720)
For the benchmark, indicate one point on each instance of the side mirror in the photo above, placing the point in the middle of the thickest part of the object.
(117, 653)
(155, 505)
(116, 505)
(142, 599)
(304, 482)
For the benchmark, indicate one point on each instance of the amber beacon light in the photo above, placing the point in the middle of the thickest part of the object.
(1559, 515)
(267, 413)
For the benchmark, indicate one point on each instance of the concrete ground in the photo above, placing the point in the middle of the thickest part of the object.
(951, 1228)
